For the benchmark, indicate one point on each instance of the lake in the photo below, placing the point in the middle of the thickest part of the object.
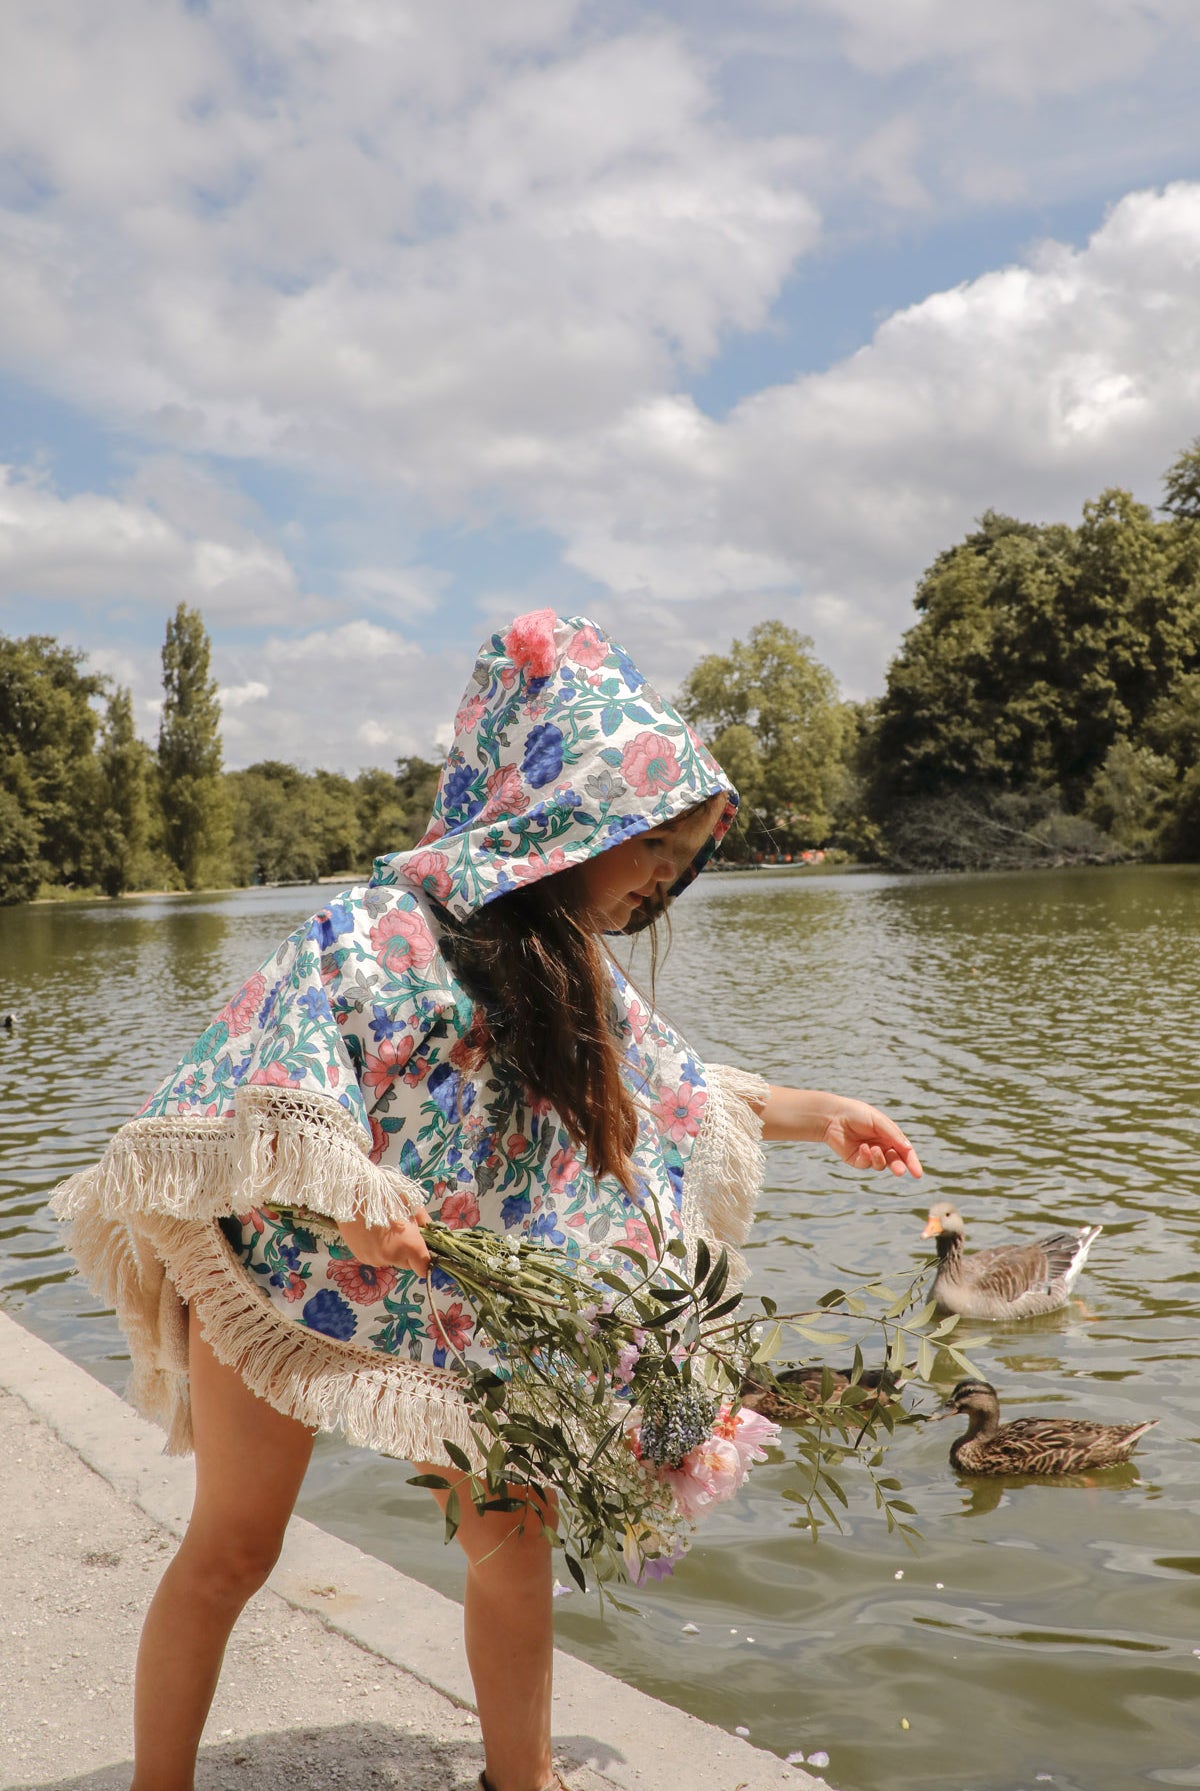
(1039, 1038)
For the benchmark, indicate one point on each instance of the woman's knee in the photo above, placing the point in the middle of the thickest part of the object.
(226, 1566)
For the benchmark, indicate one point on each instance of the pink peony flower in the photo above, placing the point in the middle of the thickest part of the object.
(530, 642)
(707, 1475)
(403, 941)
(680, 1113)
(749, 1432)
(242, 1011)
(428, 871)
(362, 1282)
(459, 1211)
(587, 649)
(506, 794)
(649, 765)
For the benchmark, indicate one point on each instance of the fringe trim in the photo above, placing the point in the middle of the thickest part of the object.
(152, 1272)
(280, 1147)
(724, 1175)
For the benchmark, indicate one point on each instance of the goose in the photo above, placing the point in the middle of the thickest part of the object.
(1010, 1281)
(1033, 1445)
(790, 1394)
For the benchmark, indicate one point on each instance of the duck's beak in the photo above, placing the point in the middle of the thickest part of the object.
(933, 1227)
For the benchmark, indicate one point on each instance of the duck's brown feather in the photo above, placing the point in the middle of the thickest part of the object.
(1047, 1446)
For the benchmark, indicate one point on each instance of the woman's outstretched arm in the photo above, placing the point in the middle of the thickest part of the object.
(860, 1135)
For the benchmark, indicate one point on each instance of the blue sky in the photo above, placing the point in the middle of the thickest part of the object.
(364, 325)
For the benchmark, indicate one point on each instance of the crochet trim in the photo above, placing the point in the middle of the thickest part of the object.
(279, 1147)
(152, 1271)
(725, 1171)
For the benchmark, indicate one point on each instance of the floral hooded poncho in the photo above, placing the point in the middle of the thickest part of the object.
(342, 1082)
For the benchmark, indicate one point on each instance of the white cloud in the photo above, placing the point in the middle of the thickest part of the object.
(1029, 389)
(100, 549)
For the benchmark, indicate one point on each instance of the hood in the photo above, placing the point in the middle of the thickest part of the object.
(561, 750)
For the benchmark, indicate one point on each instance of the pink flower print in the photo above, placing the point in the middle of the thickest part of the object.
(506, 794)
(542, 867)
(564, 1169)
(274, 1075)
(295, 1287)
(637, 1017)
(362, 1282)
(428, 871)
(459, 1211)
(636, 1233)
(648, 764)
(530, 643)
(379, 1140)
(680, 1114)
(382, 1067)
(517, 1143)
(709, 1473)
(455, 1321)
(470, 715)
(403, 941)
(587, 649)
(433, 832)
(242, 1011)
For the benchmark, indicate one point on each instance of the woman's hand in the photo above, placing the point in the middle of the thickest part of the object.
(398, 1246)
(860, 1135)
(865, 1138)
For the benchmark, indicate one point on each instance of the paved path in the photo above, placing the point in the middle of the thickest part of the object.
(343, 1673)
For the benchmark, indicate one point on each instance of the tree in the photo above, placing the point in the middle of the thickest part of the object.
(195, 808)
(394, 808)
(772, 716)
(47, 762)
(20, 861)
(125, 765)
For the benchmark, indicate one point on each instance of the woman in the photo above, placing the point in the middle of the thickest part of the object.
(451, 1040)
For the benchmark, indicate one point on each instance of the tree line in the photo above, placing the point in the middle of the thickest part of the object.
(1044, 707)
(86, 804)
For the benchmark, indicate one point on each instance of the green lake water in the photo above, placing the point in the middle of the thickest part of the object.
(1039, 1038)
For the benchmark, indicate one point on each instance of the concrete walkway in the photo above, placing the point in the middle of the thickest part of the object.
(343, 1673)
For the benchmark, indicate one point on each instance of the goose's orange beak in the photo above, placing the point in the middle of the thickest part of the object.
(933, 1228)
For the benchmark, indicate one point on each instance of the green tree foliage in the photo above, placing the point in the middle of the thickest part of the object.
(773, 717)
(292, 826)
(196, 822)
(394, 808)
(20, 862)
(47, 764)
(1050, 672)
(126, 766)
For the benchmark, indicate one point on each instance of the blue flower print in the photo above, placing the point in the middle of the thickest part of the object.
(633, 678)
(328, 1313)
(383, 1025)
(545, 1228)
(314, 1004)
(514, 1210)
(452, 1095)
(543, 759)
(336, 920)
(457, 792)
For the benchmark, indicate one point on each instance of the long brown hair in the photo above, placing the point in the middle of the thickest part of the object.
(545, 1008)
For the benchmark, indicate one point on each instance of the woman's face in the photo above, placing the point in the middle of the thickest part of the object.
(643, 869)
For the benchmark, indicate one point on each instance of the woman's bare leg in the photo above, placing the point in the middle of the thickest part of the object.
(250, 1461)
(509, 1628)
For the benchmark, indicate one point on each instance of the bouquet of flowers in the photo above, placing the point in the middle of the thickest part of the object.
(623, 1394)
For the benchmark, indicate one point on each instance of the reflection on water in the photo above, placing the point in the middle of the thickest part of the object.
(1038, 1036)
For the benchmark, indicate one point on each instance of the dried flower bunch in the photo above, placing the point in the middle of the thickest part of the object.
(622, 1392)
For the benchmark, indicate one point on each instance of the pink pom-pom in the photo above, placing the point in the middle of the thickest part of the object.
(530, 642)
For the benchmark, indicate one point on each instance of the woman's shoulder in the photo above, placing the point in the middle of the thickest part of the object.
(386, 944)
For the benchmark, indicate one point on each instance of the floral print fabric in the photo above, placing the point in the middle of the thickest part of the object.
(561, 750)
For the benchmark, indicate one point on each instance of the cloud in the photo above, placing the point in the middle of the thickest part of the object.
(100, 549)
(1029, 389)
(341, 697)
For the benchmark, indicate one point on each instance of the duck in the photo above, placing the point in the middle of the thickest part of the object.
(1010, 1281)
(1033, 1445)
(790, 1394)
